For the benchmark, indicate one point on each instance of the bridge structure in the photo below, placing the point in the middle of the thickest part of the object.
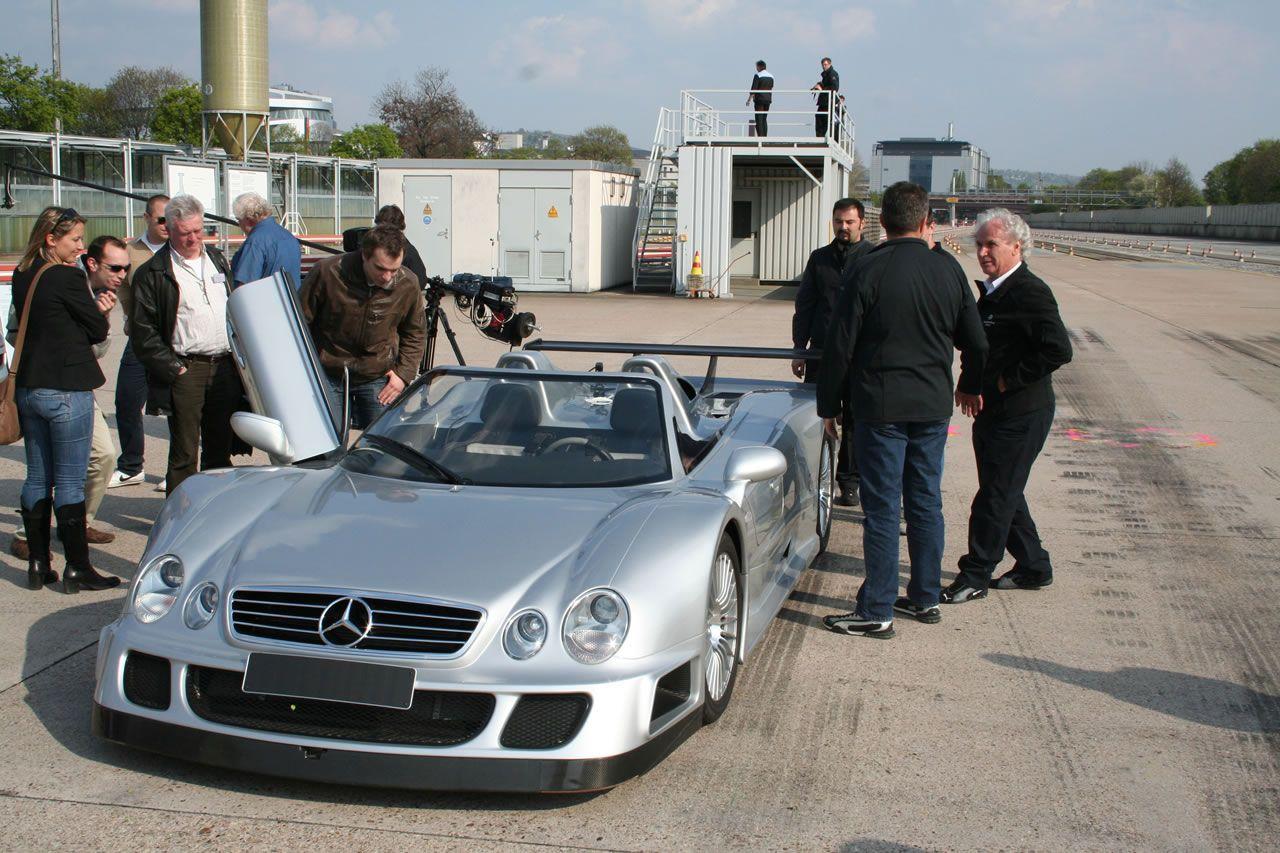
(966, 204)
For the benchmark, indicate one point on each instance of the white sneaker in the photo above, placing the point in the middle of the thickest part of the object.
(159, 486)
(120, 478)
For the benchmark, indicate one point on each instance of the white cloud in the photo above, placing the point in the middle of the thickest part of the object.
(853, 24)
(687, 13)
(555, 47)
(301, 21)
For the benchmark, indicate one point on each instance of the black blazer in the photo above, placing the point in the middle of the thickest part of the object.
(64, 325)
(1028, 342)
(890, 345)
(819, 288)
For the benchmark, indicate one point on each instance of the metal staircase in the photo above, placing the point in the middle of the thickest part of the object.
(654, 243)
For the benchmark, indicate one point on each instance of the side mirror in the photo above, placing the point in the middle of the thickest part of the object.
(755, 464)
(266, 434)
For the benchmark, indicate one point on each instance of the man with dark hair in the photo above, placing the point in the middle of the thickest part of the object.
(366, 314)
(131, 379)
(889, 350)
(268, 247)
(390, 214)
(761, 95)
(816, 298)
(1028, 343)
(827, 84)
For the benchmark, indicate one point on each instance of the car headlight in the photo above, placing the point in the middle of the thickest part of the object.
(201, 605)
(595, 626)
(157, 587)
(525, 634)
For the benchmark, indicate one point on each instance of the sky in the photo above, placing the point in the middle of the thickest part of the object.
(1049, 85)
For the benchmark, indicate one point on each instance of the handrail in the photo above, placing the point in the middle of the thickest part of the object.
(702, 117)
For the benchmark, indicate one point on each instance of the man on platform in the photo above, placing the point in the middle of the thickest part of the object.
(761, 95)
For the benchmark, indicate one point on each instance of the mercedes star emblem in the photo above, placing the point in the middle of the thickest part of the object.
(345, 622)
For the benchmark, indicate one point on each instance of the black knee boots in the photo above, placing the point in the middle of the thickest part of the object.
(79, 573)
(39, 562)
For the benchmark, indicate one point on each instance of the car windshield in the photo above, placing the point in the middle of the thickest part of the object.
(508, 430)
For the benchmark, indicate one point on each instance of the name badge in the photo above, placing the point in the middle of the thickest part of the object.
(219, 278)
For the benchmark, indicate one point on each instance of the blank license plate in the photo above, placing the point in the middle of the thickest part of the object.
(331, 680)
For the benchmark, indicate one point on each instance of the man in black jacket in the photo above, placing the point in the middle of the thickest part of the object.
(826, 87)
(1028, 342)
(815, 302)
(178, 330)
(761, 95)
(889, 349)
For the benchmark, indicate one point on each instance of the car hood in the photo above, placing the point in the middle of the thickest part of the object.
(470, 544)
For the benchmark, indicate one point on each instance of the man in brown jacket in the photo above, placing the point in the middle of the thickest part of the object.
(366, 314)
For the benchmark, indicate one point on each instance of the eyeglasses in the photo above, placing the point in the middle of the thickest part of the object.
(67, 214)
(118, 267)
(159, 220)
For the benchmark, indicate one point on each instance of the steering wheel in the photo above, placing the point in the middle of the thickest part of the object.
(588, 447)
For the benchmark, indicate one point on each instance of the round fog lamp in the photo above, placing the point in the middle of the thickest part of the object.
(201, 605)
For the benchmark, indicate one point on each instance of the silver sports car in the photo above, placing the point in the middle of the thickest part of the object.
(518, 578)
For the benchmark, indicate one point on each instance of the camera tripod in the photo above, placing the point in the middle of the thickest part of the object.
(432, 293)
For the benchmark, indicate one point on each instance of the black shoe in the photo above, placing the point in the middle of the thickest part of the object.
(79, 573)
(1015, 579)
(959, 592)
(928, 615)
(36, 522)
(852, 623)
(847, 498)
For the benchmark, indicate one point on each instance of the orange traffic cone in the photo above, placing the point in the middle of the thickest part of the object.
(697, 264)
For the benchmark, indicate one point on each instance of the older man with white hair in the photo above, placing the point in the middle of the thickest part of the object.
(178, 329)
(268, 247)
(1028, 342)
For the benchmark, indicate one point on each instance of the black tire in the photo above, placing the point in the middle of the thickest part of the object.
(712, 708)
(826, 491)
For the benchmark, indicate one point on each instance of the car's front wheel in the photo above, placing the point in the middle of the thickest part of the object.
(724, 624)
(826, 491)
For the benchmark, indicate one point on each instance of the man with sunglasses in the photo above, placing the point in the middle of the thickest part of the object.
(131, 381)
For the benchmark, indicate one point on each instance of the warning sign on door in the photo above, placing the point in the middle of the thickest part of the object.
(553, 213)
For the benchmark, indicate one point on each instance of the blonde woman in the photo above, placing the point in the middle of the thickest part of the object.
(56, 375)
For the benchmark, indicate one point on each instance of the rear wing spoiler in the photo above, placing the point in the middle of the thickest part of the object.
(713, 353)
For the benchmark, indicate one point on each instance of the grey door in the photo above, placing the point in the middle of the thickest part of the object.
(552, 234)
(428, 215)
(745, 226)
(515, 230)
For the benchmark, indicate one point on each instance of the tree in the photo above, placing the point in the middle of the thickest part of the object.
(285, 140)
(133, 95)
(177, 116)
(429, 117)
(604, 143)
(367, 142)
(32, 101)
(996, 181)
(1175, 187)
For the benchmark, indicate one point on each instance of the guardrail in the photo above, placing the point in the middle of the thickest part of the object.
(707, 114)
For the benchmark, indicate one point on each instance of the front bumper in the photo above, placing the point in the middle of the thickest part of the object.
(388, 770)
(624, 733)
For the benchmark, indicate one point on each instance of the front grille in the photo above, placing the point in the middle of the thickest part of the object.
(436, 718)
(545, 721)
(407, 626)
(146, 680)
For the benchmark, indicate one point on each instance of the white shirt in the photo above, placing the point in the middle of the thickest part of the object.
(154, 247)
(202, 307)
(992, 283)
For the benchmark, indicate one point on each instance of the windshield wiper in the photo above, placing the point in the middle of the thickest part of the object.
(414, 459)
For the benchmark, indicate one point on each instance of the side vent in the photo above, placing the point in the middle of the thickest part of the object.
(672, 691)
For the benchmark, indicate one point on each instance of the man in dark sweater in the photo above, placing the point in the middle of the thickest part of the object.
(815, 301)
(889, 350)
(1028, 342)
(761, 95)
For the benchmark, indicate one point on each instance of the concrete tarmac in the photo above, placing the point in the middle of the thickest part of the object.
(1135, 704)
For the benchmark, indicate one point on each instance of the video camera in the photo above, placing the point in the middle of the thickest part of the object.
(488, 301)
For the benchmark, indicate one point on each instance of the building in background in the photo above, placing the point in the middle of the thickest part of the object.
(510, 141)
(941, 166)
(310, 115)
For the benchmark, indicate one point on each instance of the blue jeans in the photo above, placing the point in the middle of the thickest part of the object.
(900, 465)
(57, 430)
(365, 407)
(131, 398)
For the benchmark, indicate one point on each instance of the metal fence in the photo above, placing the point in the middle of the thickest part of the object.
(327, 194)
